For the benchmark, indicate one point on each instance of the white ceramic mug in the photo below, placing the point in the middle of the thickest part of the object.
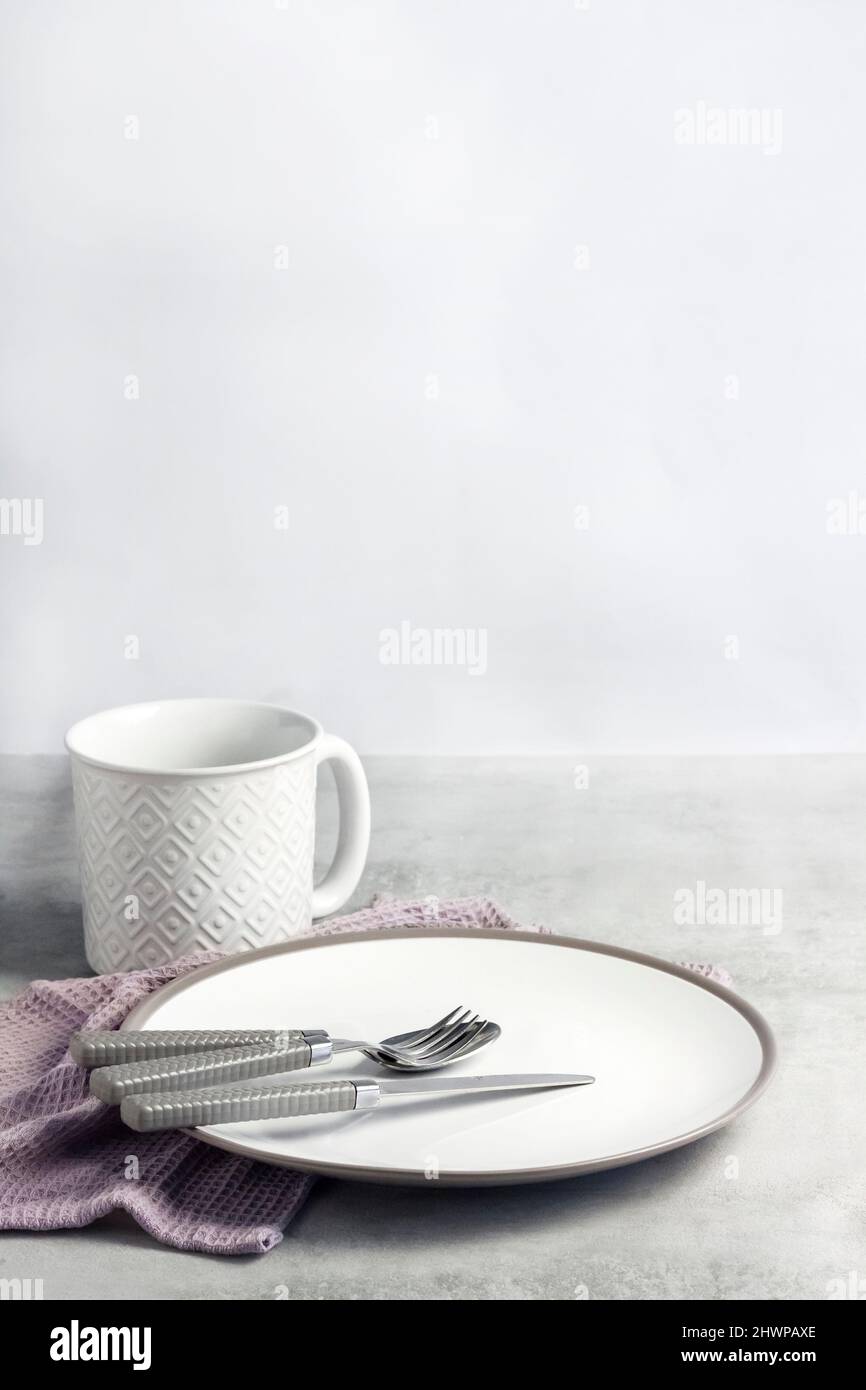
(196, 828)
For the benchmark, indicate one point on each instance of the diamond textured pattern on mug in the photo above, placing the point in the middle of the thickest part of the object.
(240, 819)
(125, 850)
(152, 950)
(123, 790)
(106, 815)
(195, 892)
(227, 863)
(172, 924)
(147, 820)
(263, 848)
(280, 811)
(216, 928)
(195, 822)
(170, 855)
(149, 888)
(260, 920)
(91, 843)
(218, 856)
(114, 952)
(109, 882)
(214, 792)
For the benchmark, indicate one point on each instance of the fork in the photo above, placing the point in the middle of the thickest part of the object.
(456, 1035)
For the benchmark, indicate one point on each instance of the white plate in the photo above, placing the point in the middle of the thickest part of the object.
(675, 1056)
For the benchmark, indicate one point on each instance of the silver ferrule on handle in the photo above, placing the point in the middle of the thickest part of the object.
(225, 1106)
(368, 1094)
(321, 1047)
(319, 1042)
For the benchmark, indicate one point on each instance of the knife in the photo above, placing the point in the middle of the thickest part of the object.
(222, 1105)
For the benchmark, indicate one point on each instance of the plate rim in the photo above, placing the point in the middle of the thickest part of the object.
(470, 1177)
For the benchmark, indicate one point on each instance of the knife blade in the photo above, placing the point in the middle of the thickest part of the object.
(422, 1085)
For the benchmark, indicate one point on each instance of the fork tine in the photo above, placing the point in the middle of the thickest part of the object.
(454, 1040)
(420, 1034)
(407, 1042)
(441, 1056)
(424, 1035)
(435, 1040)
(469, 1043)
(458, 1041)
(458, 1033)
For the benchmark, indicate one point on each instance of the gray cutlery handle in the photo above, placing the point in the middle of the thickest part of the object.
(107, 1049)
(222, 1106)
(112, 1084)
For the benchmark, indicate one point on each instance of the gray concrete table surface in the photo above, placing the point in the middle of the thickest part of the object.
(770, 1207)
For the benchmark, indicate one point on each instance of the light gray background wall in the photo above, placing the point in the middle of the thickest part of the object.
(432, 277)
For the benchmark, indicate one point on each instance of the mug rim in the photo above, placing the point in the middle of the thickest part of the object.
(217, 770)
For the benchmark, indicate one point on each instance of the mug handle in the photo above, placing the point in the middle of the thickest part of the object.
(353, 841)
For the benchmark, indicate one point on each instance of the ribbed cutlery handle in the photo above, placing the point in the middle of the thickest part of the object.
(230, 1064)
(108, 1048)
(219, 1106)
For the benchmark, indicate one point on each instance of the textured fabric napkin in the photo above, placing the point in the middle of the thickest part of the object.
(66, 1159)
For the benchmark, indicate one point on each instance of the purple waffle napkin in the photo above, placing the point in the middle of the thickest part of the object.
(66, 1159)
